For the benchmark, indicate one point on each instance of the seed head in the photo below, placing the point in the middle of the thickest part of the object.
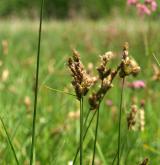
(106, 76)
(144, 162)
(81, 80)
(128, 65)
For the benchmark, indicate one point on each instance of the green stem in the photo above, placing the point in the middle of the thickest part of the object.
(81, 131)
(96, 133)
(36, 85)
(9, 140)
(122, 148)
(119, 125)
(85, 133)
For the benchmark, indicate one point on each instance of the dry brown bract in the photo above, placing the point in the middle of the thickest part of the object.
(128, 65)
(106, 76)
(136, 118)
(145, 161)
(156, 74)
(81, 80)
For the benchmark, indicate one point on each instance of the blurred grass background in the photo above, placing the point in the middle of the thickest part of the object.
(57, 131)
(63, 9)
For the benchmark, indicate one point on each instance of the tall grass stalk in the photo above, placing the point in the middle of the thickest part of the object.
(36, 85)
(99, 150)
(81, 131)
(96, 133)
(85, 132)
(119, 124)
(10, 142)
(122, 147)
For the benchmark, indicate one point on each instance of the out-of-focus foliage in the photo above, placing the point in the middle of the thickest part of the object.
(59, 8)
(65, 8)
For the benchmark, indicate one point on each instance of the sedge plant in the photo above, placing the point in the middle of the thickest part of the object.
(36, 85)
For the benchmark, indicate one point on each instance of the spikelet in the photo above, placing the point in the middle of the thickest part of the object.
(144, 162)
(106, 76)
(132, 117)
(141, 119)
(128, 65)
(136, 118)
(156, 74)
(81, 80)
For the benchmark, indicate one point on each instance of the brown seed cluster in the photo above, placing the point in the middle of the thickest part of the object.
(136, 118)
(144, 162)
(156, 74)
(128, 65)
(131, 119)
(106, 76)
(81, 80)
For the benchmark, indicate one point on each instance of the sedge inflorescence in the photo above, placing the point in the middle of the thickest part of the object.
(106, 76)
(81, 80)
(136, 117)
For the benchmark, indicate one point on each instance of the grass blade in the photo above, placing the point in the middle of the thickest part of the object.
(85, 132)
(96, 133)
(81, 131)
(9, 140)
(119, 125)
(58, 90)
(156, 59)
(36, 85)
(99, 150)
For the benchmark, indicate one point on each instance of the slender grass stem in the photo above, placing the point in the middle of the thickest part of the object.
(85, 132)
(99, 150)
(119, 125)
(156, 59)
(9, 140)
(122, 148)
(96, 133)
(36, 85)
(81, 131)
(60, 91)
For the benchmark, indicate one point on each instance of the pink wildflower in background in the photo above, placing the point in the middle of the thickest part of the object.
(132, 2)
(153, 6)
(137, 84)
(109, 102)
(147, 7)
(143, 9)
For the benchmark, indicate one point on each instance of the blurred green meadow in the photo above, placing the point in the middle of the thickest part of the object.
(57, 129)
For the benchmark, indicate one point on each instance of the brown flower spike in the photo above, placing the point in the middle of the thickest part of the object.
(144, 162)
(128, 65)
(81, 80)
(106, 76)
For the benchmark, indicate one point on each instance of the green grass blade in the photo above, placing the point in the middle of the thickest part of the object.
(9, 140)
(96, 134)
(99, 150)
(36, 87)
(156, 59)
(119, 124)
(58, 90)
